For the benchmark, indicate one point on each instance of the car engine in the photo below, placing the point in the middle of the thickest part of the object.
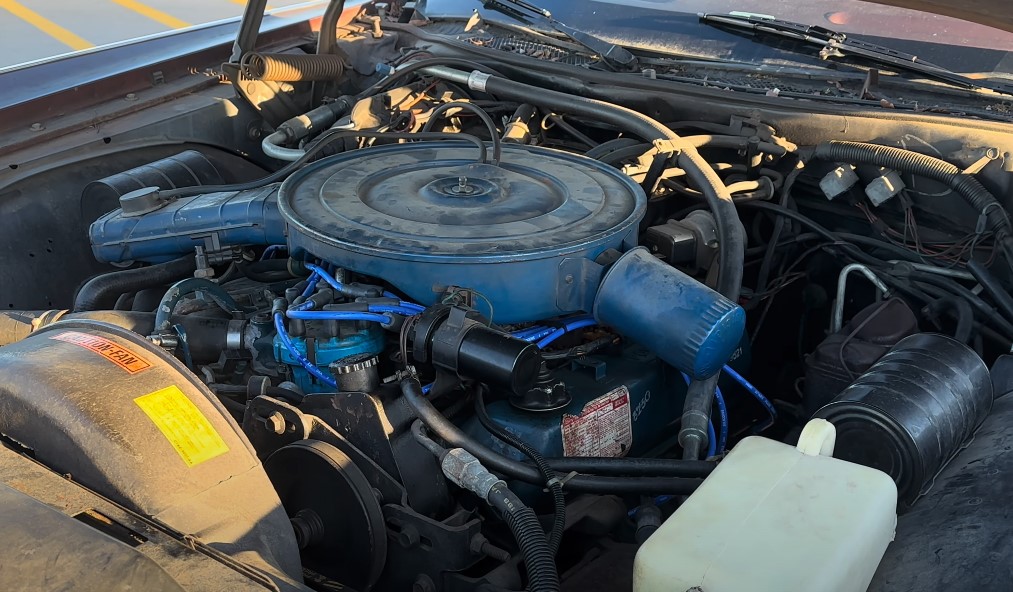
(478, 320)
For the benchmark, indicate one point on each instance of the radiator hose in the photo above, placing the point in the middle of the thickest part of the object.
(101, 292)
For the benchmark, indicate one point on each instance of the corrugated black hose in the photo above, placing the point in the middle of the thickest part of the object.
(965, 185)
(551, 481)
(538, 559)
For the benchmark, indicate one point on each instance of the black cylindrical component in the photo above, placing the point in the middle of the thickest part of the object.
(357, 374)
(912, 411)
(992, 286)
(957, 537)
(455, 340)
(498, 358)
(186, 169)
(524, 525)
(101, 292)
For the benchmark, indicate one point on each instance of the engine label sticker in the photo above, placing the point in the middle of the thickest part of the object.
(110, 350)
(183, 425)
(603, 428)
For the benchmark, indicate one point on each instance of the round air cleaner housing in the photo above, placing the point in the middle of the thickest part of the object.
(427, 217)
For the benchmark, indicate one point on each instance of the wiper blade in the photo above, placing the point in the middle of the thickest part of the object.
(834, 44)
(615, 56)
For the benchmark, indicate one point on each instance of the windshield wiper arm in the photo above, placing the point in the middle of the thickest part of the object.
(834, 44)
(613, 55)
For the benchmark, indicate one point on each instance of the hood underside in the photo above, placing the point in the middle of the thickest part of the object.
(993, 13)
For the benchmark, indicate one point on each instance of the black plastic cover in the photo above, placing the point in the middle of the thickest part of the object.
(912, 411)
(129, 421)
(860, 343)
(957, 538)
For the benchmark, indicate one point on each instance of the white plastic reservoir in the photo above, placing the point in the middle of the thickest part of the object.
(775, 518)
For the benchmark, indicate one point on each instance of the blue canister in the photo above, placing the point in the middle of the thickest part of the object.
(684, 322)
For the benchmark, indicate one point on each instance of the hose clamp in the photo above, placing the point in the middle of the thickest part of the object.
(672, 147)
(234, 335)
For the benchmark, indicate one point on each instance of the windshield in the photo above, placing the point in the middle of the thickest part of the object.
(673, 25)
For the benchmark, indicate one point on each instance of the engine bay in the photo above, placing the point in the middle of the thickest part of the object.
(477, 313)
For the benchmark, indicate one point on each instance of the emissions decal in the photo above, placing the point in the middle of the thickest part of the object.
(110, 350)
(183, 425)
(603, 428)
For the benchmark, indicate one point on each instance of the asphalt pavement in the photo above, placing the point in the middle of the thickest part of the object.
(36, 29)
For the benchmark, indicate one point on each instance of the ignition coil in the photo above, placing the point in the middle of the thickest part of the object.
(457, 341)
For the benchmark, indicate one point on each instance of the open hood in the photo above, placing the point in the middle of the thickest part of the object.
(993, 13)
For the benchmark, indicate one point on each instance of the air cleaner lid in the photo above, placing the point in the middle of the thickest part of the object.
(433, 201)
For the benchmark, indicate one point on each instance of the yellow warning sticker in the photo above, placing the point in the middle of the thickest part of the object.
(182, 423)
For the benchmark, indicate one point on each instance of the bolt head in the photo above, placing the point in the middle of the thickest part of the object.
(275, 423)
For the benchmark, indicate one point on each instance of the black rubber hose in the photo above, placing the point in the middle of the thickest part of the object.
(284, 394)
(984, 310)
(551, 481)
(632, 467)
(922, 165)
(603, 150)
(852, 251)
(992, 286)
(101, 292)
(928, 293)
(961, 310)
(697, 409)
(184, 288)
(452, 435)
(538, 560)
(272, 270)
(497, 148)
